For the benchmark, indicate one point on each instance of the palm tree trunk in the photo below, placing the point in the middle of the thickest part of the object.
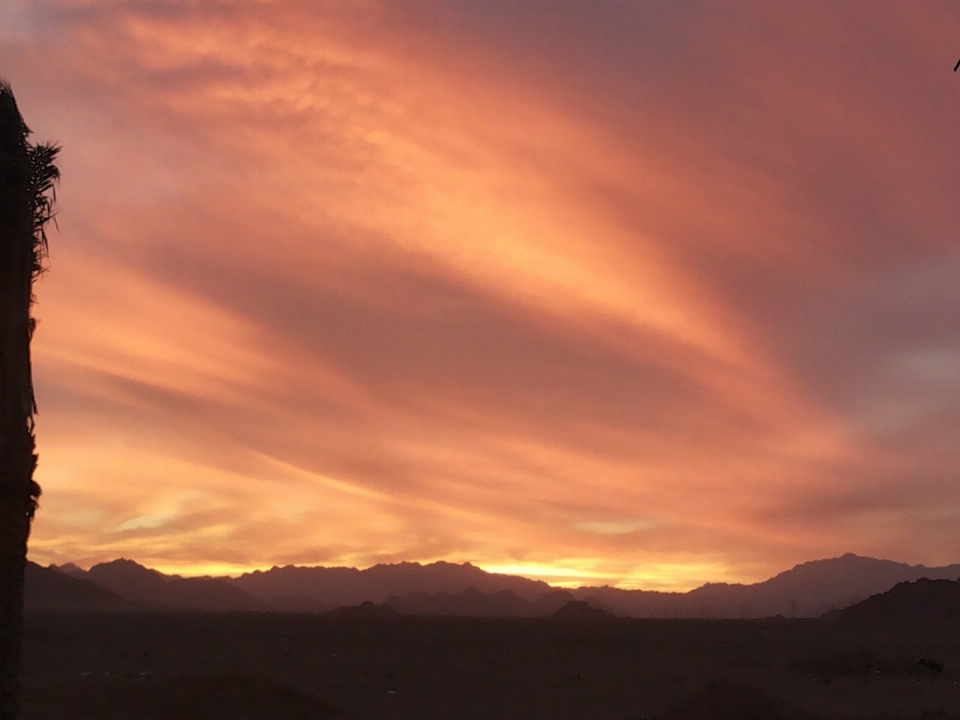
(16, 510)
(27, 173)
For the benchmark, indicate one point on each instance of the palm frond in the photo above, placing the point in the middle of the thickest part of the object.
(44, 175)
(28, 178)
(42, 172)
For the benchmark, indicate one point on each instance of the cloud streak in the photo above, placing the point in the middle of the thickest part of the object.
(652, 293)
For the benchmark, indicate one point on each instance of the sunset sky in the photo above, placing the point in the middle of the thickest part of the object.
(645, 293)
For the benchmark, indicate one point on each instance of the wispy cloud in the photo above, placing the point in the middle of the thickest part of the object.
(637, 291)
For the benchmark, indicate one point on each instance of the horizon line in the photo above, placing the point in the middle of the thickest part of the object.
(568, 578)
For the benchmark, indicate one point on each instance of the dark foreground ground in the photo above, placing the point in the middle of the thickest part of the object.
(284, 667)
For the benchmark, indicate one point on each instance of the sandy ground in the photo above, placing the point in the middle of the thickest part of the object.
(168, 665)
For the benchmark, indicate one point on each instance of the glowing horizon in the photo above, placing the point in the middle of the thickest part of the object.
(562, 576)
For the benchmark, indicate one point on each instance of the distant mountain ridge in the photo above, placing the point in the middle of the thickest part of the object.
(442, 588)
(807, 590)
(48, 589)
(147, 587)
(320, 587)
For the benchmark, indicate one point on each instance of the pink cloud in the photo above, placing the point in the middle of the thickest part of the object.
(349, 283)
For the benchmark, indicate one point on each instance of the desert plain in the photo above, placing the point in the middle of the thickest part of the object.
(371, 664)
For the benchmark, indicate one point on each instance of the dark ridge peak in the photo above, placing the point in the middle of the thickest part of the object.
(846, 561)
(579, 610)
(69, 569)
(447, 563)
(298, 569)
(125, 565)
(121, 562)
(379, 567)
(847, 558)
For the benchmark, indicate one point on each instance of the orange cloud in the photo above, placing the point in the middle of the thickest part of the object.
(642, 294)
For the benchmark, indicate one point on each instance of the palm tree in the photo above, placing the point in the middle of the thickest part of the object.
(27, 177)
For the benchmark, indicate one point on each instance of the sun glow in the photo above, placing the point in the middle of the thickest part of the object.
(564, 575)
(664, 577)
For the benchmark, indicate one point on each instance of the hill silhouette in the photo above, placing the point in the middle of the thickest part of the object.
(808, 590)
(923, 607)
(580, 610)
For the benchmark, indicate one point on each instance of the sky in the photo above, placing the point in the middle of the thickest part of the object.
(639, 293)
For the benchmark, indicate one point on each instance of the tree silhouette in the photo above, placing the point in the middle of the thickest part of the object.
(27, 177)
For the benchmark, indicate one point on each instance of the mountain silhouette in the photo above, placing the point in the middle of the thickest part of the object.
(340, 586)
(151, 588)
(49, 589)
(813, 588)
(808, 590)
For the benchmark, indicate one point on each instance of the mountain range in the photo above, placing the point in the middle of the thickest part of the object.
(807, 590)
